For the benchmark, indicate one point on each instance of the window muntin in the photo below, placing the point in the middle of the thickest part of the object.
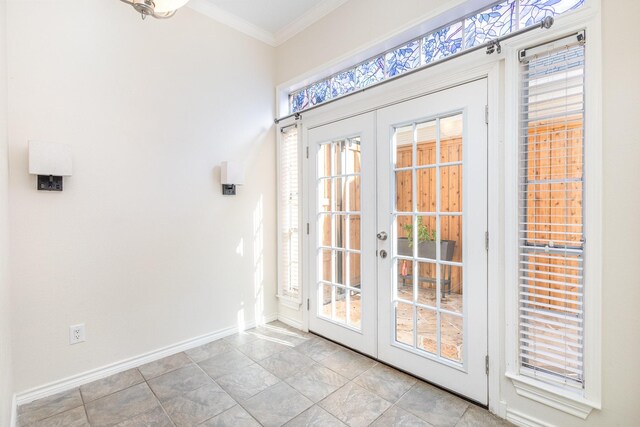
(289, 214)
(498, 20)
(551, 215)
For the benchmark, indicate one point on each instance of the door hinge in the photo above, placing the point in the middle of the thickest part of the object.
(307, 152)
(486, 364)
(486, 241)
(307, 228)
(486, 114)
(307, 304)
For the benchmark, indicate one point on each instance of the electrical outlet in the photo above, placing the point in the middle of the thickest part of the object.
(76, 334)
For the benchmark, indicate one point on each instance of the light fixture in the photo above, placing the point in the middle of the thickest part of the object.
(50, 161)
(231, 174)
(159, 9)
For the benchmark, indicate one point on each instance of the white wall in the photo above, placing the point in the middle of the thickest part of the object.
(6, 382)
(141, 246)
(354, 24)
(327, 39)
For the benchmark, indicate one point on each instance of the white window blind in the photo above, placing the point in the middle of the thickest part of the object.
(551, 231)
(288, 213)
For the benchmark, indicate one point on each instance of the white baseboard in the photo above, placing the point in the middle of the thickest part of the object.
(123, 365)
(294, 323)
(523, 420)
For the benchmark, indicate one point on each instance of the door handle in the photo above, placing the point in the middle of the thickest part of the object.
(383, 254)
(382, 236)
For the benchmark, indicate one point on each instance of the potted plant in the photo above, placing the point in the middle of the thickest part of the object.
(426, 238)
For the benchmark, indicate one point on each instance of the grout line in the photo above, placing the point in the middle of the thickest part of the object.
(462, 416)
(113, 392)
(86, 414)
(50, 416)
(159, 403)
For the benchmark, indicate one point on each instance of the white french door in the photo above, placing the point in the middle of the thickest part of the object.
(398, 221)
(432, 203)
(342, 185)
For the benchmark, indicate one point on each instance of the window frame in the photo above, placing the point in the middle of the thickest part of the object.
(285, 298)
(579, 404)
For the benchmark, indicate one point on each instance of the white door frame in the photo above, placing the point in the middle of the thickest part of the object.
(453, 73)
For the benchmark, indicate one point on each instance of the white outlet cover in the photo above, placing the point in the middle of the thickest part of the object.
(76, 334)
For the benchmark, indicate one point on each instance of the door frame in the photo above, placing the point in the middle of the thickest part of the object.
(468, 68)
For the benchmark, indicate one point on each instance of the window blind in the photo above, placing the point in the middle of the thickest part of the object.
(551, 228)
(288, 212)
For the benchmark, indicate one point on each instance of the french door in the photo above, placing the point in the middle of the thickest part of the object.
(342, 186)
(398, 203)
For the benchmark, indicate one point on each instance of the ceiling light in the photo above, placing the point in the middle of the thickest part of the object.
(159, 9)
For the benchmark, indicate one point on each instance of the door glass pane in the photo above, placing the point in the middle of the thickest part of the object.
(451, 188)
(353, 191)
(404, 323)
(324, 160)
(340, 194)
(338, 158)
(404, 191)
(426, 143)
(424, 235)
(427, 330)
(451, 139)
(340, 267)
(451, 290)
(353, 156)
(324, 229)
(326, 298)
(325, 201)
(340, 231)
(354, 269)
(354, 232)
(451, 237)
(404, 225)
(404, 286)
(428, 288)
(427, 284)
(451, 333)
(426, 182)
(403, 142)
(341, 305)
(354, 313)
(325, 266)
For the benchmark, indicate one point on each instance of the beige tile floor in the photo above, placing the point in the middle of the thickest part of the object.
(268, 376)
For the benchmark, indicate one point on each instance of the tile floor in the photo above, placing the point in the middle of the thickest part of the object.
(271, 376)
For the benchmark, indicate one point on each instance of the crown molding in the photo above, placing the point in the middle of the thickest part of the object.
(209, 9)
(308, 18)
(311, 16)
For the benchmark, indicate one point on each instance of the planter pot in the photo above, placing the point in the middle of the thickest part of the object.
(427, 249)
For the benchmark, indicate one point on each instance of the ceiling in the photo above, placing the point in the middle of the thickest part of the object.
(271, 21)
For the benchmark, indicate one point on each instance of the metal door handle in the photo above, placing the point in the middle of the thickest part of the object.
(382, 235)
(383, 254)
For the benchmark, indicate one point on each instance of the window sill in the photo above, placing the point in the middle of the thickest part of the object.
(554, 397)
(290, 302)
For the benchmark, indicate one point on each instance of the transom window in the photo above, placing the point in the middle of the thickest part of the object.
(495, 21)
